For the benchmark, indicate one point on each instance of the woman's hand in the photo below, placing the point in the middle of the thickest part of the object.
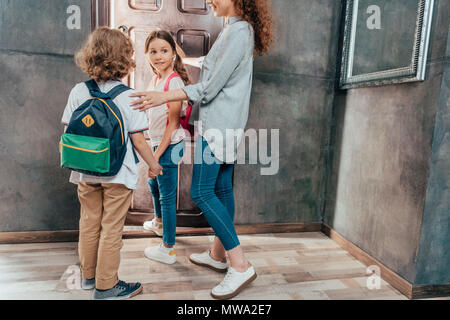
(148, 100)
(152, 99)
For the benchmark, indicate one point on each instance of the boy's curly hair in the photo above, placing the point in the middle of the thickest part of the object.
(259, 14)
(106, 55)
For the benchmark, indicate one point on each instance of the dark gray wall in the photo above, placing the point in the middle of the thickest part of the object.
(380, 164)
(433, 265)
(36, 74)
(293, 90)
(386, 179)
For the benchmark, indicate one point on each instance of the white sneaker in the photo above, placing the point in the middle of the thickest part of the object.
(204, 259)
(233, 283)
(154, 226)
(161, 254)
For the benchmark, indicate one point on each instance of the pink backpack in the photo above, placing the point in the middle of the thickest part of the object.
(184, 120)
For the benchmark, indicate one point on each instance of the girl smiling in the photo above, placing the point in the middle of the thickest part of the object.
(167, 139)
(223, 97)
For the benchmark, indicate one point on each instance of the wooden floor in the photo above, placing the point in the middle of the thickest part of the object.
(297, 266)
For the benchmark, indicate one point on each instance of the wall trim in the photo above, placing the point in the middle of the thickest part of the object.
(72, 235)
(38, 236)
(388, 275)
(391, 277)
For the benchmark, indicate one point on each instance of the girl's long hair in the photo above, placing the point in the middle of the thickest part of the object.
(178, 65)
(259, 14)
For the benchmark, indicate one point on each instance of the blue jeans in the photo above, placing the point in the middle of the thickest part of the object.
(164, 190)
(212, 191)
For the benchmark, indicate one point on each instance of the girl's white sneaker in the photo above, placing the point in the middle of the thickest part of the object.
(161, 254)
(233, 283)
(204, 259)
(154, 226)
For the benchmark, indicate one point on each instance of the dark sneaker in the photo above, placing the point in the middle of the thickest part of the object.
(87, 284)
(121, 290)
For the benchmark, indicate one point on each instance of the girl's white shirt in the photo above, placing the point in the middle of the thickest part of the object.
(157, 116)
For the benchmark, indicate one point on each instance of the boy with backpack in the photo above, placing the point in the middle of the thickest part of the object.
(100, 131)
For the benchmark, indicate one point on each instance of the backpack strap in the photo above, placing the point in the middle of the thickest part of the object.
(114, 92)
(173, 75)
(92, 86)
(95, 91)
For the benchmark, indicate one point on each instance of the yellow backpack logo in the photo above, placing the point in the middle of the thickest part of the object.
(88, 120)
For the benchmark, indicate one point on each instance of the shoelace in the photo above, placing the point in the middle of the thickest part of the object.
(226, 281)
(121, 285)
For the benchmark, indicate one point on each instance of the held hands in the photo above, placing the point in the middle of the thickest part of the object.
(147, 100)
(154, 170)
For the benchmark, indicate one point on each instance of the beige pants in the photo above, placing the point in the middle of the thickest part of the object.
(104, 207)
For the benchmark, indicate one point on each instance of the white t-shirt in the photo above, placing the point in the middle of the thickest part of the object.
(133, 120)
(157, 116)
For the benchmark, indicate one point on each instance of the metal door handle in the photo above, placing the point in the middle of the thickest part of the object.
(124, 29)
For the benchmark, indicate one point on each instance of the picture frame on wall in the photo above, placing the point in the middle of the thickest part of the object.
(385, 42)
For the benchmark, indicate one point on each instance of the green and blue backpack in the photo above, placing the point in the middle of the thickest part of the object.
(95, 142)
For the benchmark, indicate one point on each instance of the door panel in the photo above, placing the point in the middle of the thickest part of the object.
(195, 43)
(142, 200)
(142, 75)
(194, 27)
(152, 5)
(192, 6)
(187, 20)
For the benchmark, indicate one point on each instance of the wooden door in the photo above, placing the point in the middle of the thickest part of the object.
(195, 29)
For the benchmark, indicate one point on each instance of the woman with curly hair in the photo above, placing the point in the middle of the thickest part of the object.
(222, 96)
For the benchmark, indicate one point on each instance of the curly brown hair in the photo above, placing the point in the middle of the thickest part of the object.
(259, 14)
(106, 55)
(178, 65)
